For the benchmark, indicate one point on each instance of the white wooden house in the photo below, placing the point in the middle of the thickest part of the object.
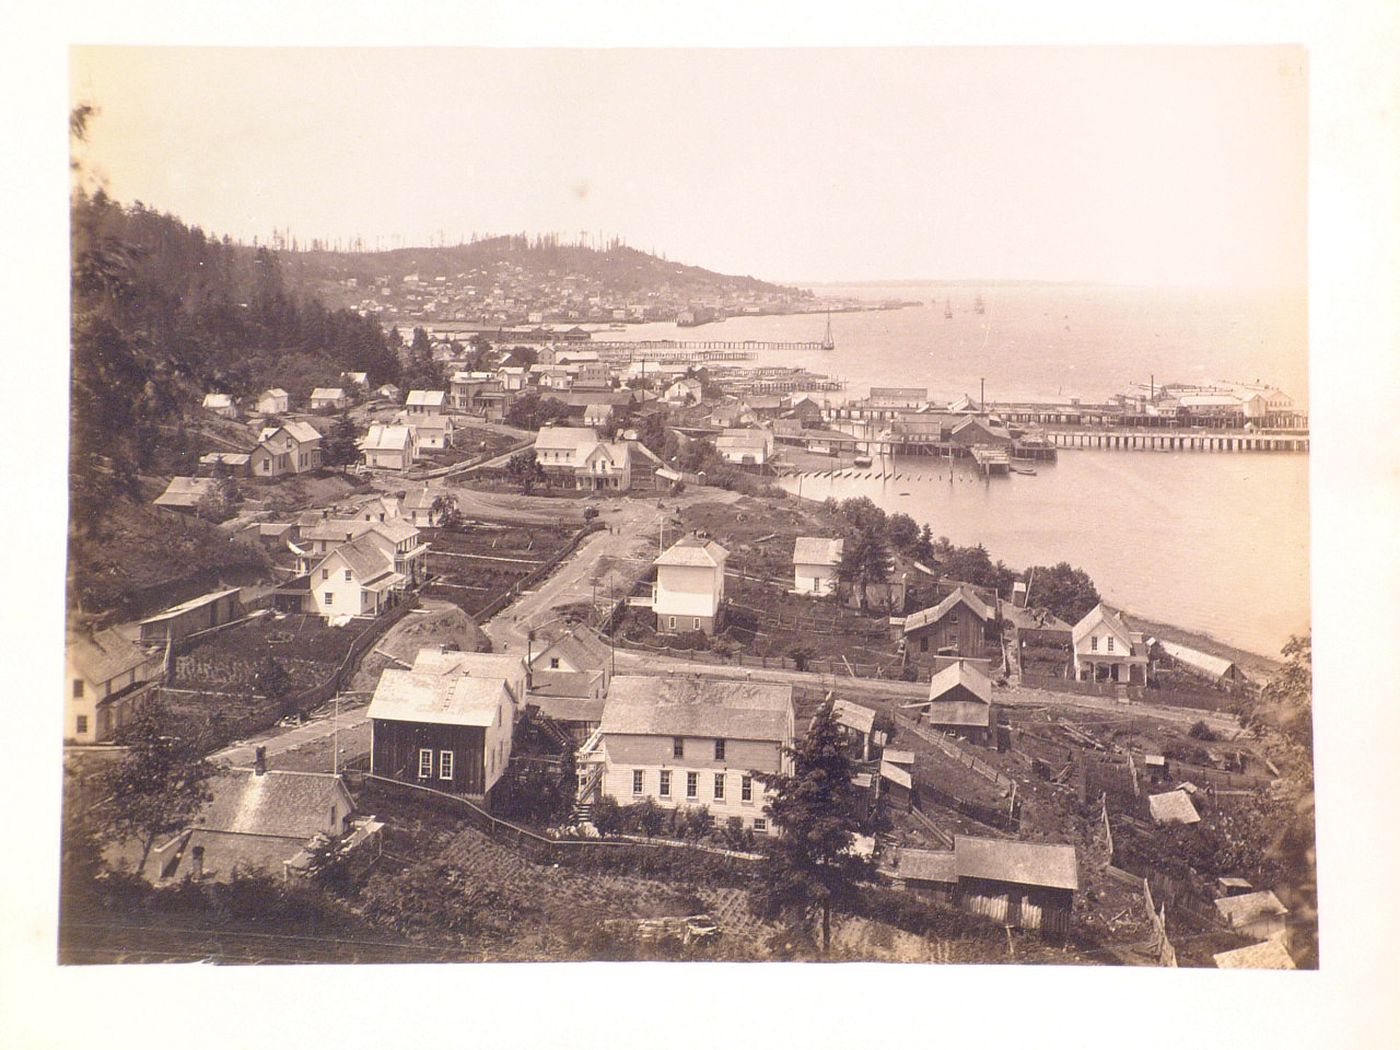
(689, 590)
(1106, 650)
(815, 561)
(690, 742)
(109, 679)
(329, 399)
(221, 405)
(389, 447)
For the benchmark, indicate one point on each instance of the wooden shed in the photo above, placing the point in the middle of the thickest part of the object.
(1026, 884)
(197, 614)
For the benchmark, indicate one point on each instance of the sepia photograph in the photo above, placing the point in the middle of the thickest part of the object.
(682, 505)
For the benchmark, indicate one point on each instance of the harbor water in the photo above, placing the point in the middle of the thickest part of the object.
(1211, 542)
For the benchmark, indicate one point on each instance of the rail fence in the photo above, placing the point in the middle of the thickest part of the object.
(956, 753)
(536, 574)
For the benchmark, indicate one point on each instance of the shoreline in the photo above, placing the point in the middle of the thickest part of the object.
(1246, 659)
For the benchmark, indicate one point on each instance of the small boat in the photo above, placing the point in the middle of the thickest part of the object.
(863, 461)
(1024, 470)
(904, 493)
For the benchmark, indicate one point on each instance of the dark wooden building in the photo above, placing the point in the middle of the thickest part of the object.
(960, 703)
(1026, 884)
(448, 731)
(962, 624)
(193, 616)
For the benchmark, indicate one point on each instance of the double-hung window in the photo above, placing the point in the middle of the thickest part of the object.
(1109, 644)
(760, 825)
(636, 781)
(1094, 643)
(665, 790)
(445, 765)
(719, 750)
(746, 789)
(719, 787)
(678, 747)
(692, 785)
(425, 763)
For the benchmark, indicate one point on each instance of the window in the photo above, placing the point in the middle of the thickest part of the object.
(636, 781)
(77, 689)
(330, 597)
(554, 663)
(719, 787)
(697, 623)
(82, 723)
(425, 763)
(1110, 643)
(1094, 644)
(760, 825)
(923, 644)
(746, 789)
(672, 623)
(325, 574)
(678, 747)
(665, 783)
(719, 750)
(692, 785)
(445, 765)
(347, 574)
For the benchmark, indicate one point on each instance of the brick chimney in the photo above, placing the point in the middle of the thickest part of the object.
(259, 761)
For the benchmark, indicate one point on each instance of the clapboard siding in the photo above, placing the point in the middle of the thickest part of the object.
(396, 747)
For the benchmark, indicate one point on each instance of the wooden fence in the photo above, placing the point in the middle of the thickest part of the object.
(537, 847)
(319, 694)
(956, 753)
(1202, 700)
(536, 574)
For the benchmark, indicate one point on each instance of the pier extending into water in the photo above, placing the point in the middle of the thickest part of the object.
(749, 345)
(1178, 440)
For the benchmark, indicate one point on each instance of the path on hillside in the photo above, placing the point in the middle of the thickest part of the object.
(629, 542)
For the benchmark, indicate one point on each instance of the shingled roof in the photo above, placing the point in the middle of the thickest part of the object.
(645, 705)
(692, 550)
(817, 550)
(279, 802)
(438, 699)
(1027, 863)
(104, 655)
(966, 595)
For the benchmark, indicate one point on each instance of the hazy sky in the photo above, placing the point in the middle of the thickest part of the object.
(1181, 166)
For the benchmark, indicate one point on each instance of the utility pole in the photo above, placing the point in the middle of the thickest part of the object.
(335, 738)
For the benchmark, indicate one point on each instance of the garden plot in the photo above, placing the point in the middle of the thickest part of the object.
(474, 566)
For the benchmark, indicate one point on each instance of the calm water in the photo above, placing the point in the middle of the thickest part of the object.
(1036, 341)
(1214, 542)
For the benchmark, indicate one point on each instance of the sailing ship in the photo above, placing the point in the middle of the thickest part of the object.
(828, 343)
(947, 309)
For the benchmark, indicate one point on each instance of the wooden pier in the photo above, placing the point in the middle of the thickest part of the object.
(1178, 440)
(749, 345)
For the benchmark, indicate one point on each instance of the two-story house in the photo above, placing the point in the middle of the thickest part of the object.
(292, 448)
(745, 446)
(448, 723)
(1105, 650)
(690, 742)
(221, 405)
(560, 450)
(389, 447)
(108, 680)
(355, 579)
(962, 625)
(689, 591)
(606, 467)
(421, 403)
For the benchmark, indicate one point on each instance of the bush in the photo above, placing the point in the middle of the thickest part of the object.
(608, 816)
(1201, 731)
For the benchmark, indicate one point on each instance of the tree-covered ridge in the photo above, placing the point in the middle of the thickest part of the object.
(163, 313)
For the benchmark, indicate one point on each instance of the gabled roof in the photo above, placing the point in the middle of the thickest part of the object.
(618, 453)
(425, 398)
(1026, 863)
(185, 492)
(302, 431)
(961, 673)
(228, 459)
(507, 666)
(275, 391)
(103, 655)
(927, 865)
(654, 706)
(394, 529)
(1101, 613)
(279, 802)
(365, 558)
(218, 401)
(561, 438)
(438, 699)
(596, 411)
(966, 595)
(816, 550)
(327, 393)
(743, 438)
(854, 716)
(1266, 955)
(896, 775)
(692, 550)
(334, 530)
(578, 647)
(383, 438)
(1172, 807)
(1244, 908)
(1215, 666)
